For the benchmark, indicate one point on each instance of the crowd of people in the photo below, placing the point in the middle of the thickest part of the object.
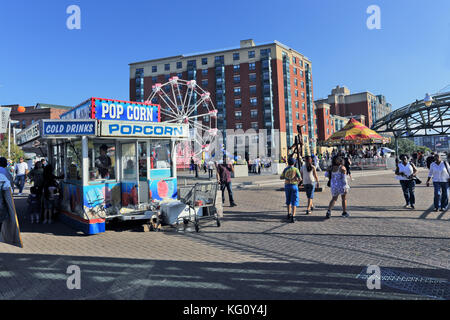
(339, 173)
(44, 191)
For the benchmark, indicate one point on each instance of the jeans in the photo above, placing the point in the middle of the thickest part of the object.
(20, 182)
(227, 185)
(440, 194)
(210, 173)
(408, 187)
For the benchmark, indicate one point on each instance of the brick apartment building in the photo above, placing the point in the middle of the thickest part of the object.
(32, 114)
(344, 104)
(266, 86)
(35, 113)
(328, 123)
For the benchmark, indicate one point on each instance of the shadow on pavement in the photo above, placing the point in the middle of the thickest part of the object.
(45, 277)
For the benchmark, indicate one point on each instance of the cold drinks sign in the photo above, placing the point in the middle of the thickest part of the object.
(107, 109)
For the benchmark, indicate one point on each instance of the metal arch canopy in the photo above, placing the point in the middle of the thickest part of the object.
(418, 120)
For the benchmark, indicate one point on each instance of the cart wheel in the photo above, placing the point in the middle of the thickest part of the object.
(218, 222)
(197, 229)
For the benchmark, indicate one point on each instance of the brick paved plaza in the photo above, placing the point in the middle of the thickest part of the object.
(255, 254)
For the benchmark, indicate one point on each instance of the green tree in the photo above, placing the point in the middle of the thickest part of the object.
(406, 146)
(16, 152)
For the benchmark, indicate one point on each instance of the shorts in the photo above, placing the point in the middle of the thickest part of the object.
(309, 189)
(291, 191)
(49, 204)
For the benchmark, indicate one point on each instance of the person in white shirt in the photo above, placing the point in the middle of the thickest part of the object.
(440, 172)
(21, 170)
(405, 173)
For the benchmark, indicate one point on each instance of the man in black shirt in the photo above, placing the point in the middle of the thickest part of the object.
(103, 162)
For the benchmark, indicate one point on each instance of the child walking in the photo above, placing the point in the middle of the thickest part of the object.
(34, 205)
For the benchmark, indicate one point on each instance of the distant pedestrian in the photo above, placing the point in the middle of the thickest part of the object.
(440, 172)
(50, 193)
(337, 175)
(292, 177)
(347, 164)
(192, 166)
(210, 168)
(430, 160)
(21, 170)
(309, 174)
(406, 172)
(224, 171)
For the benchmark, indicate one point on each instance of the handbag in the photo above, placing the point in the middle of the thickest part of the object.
(417, 180)
(445, 164)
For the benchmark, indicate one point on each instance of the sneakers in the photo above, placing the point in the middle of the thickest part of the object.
(406, 206)
(312, 208)
(233, 205)
(307, 212)
(437, 209)
(345, 214)
(412, 206)
(328, 214)
(292, 220)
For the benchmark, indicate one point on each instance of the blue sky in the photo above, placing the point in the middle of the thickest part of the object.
(42, 61)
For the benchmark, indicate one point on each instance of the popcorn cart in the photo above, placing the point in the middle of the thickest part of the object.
(117, 158)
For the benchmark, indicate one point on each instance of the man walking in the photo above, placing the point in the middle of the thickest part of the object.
(21, 171)
(406, 172)
(439, 171)
(224, 171)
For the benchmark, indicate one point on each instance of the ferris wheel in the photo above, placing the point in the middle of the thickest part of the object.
(183, 101)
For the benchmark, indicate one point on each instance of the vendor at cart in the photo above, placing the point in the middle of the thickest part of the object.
(103, 162)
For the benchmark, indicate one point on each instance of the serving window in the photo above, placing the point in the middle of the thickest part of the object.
(160, 154)
(74, 161)
(102, 161)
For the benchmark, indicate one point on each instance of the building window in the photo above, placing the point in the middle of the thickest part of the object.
(237, 103)
(219, 59)
(167, 67)
(295, 82)
(252, 89)
(265, 52)
(206, 119)
(326, 111)
(236, 56)
(296, 104)
(296, 92)
(252, 66)
(179, 65)
(328, 121)
(254, 113)
(251, 54)
(238, 125)
(301, 73)
(204, 72)
(255, 125)
(303, 106)
(237, 91)
(236, 67)
(297, 115)
(328, 130)
(294, 60)
(204, 83)
(304, 117)
(303, 95)
(252, 77)
(302, 84)
(253, 101)
(179, 75)
(154, 79)
(204, 61)
(301, 63)
(295, 70)
(238, 115)
(237, 79)
(154, 69)
(167, 77)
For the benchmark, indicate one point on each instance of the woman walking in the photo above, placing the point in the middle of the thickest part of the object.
(440, 172)
(406, 172)
(291, 177)
(309, 173)
(338, 184)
